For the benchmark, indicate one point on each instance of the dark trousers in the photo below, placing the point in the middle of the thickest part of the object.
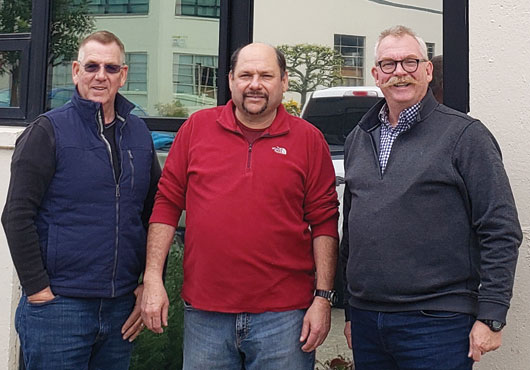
(415, 340)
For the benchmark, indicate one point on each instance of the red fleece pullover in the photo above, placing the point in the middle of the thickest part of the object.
(251, 210)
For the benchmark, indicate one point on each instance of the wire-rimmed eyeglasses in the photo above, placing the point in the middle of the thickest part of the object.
(95, 67)
(409, 65)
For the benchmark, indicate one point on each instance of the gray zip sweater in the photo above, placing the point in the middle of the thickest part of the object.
(439, 230)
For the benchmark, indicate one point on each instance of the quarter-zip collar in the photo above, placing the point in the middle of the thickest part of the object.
(371, 121)
(280, 125)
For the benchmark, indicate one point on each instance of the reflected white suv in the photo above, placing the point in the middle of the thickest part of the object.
(336, 111)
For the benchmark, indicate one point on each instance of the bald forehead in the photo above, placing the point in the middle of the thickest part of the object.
(258, 52)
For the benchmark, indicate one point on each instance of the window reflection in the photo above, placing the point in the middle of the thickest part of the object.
(172, 55)
(350, 27)
(198, 8)
(15, 16)
(9, 78)
(116, 6)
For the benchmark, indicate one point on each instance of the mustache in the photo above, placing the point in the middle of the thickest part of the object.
(255, 95)
(399, 80)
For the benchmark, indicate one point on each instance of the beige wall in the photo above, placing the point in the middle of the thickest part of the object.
(9, 286)
(500, 96)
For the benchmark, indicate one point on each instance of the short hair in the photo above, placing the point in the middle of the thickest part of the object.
(400, 31)
(105, 38)
(279, 57)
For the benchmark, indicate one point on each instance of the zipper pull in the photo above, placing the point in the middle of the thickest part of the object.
(117, 191)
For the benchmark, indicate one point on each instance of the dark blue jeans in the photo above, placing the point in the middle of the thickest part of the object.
(74, 333)
(415, 340)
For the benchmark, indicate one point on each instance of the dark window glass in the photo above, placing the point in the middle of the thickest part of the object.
(352, 50)
(9, 79)
(198, 8)
(99, 7)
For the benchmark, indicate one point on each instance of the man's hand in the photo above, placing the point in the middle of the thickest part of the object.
(133, 326)
(155, 305)
(482, 340)
(317, 322)
(347, 333)
(43, 296)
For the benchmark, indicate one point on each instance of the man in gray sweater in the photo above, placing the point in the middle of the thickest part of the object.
(431, 233)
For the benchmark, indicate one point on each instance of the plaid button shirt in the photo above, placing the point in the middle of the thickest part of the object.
(389, 134)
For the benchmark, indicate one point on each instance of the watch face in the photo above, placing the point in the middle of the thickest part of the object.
(496, 325)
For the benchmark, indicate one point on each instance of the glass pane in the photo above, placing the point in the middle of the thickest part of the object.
(9, 78)
(15, 16)
(349, 28)
(172, 60)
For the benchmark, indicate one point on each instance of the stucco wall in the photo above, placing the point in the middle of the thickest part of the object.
(500, 96)
(9, 287)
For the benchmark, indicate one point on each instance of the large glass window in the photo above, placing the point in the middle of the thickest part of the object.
(350, 28)
(198, 8)
(351, 48)
(158, 48)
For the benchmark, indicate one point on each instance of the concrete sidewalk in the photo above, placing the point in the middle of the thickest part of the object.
(335, 344)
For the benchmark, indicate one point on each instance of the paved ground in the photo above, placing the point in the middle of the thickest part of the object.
(335, 343)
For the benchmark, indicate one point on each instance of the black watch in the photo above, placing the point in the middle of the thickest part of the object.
(330, 295)
(494, 325)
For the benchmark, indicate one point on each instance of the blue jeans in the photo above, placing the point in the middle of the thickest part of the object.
(264, 341)
(415, 340)
(74, 333)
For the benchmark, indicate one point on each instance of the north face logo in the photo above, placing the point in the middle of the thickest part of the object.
(279, 150)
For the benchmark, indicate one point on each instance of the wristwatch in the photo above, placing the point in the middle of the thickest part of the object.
(494, 325)
(330, 295)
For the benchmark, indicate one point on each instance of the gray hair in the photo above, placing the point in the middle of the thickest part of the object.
(400, 31)
(105, 38)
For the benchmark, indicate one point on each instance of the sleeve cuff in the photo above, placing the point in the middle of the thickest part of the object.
(492, 311)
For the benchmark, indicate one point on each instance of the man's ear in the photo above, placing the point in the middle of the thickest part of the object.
(76, 69)
(285, 81)
(230, 80)
(375, 74)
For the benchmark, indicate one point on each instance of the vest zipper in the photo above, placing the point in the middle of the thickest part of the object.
(117, 197)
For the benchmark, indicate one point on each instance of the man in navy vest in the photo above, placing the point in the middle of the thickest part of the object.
(83, 179)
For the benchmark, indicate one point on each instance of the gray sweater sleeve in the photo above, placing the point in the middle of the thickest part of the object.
(32, 169)
(477, 159)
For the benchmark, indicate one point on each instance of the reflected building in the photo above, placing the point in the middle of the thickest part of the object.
(172, 46)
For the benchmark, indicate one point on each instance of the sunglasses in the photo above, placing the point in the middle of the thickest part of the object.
(94, 67)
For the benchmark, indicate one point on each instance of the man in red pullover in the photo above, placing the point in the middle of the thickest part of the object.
(258, 188)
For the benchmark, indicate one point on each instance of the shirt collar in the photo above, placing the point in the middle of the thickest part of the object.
(406, 119)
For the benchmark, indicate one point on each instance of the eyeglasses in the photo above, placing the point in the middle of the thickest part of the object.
(409, 65)
(94, 67)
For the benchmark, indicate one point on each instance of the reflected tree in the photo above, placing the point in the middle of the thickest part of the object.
(310, 67)
(70, 22)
